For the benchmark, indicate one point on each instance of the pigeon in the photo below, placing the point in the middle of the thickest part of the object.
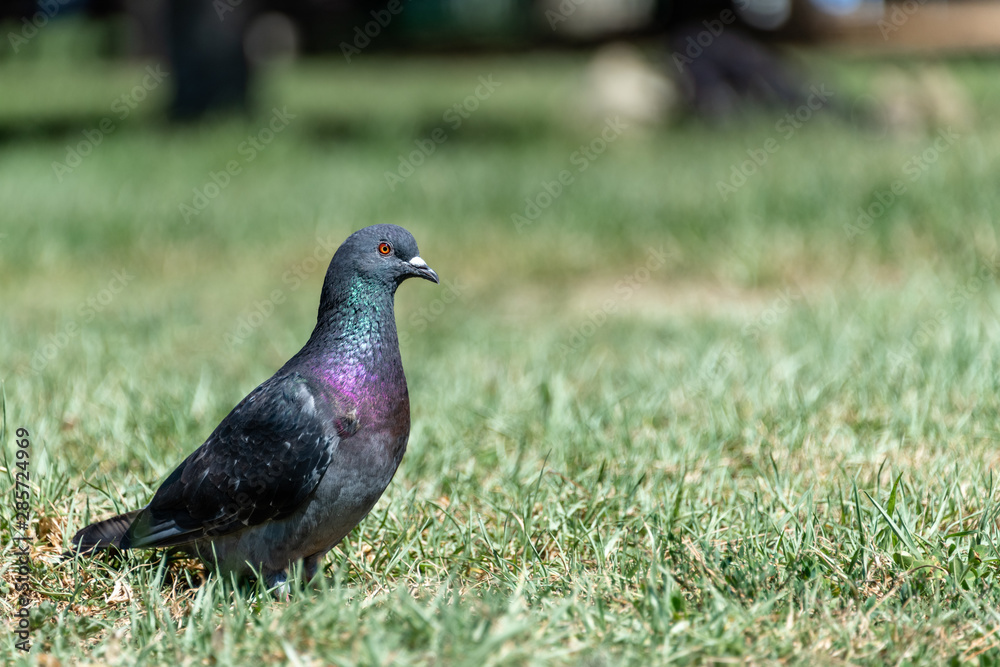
(304, 457)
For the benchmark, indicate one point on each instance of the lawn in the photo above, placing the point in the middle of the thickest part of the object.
(651, 424)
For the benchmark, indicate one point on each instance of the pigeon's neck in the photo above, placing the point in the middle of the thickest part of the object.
(355, 345)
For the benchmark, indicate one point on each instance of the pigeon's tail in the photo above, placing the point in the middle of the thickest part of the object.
(104, 534)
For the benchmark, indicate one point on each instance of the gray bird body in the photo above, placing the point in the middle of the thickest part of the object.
(352, 483)
(307, 454)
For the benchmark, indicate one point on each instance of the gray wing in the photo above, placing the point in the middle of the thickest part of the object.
(259, 465)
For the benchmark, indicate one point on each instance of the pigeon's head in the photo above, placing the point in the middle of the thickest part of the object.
(381, 253)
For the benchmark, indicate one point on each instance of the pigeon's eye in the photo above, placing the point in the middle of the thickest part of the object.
(384, 248)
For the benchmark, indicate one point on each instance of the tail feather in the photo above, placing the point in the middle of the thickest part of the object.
(104, 534)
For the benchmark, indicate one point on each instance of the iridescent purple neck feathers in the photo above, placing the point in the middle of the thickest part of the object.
(355, 349)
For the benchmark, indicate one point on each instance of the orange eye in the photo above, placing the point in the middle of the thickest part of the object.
(384, 248)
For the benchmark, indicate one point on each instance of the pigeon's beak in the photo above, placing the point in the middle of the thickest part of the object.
(421, 269)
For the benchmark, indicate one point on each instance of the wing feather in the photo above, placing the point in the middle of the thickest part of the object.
(260, 464)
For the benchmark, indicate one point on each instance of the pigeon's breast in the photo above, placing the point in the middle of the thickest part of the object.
(359, 473)
(367, 394)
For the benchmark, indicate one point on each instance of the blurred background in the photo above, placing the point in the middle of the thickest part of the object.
(753, 139)
(695, 56)
(175, 172)
(605, 175)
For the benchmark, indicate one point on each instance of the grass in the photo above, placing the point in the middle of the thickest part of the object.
(776, 446)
